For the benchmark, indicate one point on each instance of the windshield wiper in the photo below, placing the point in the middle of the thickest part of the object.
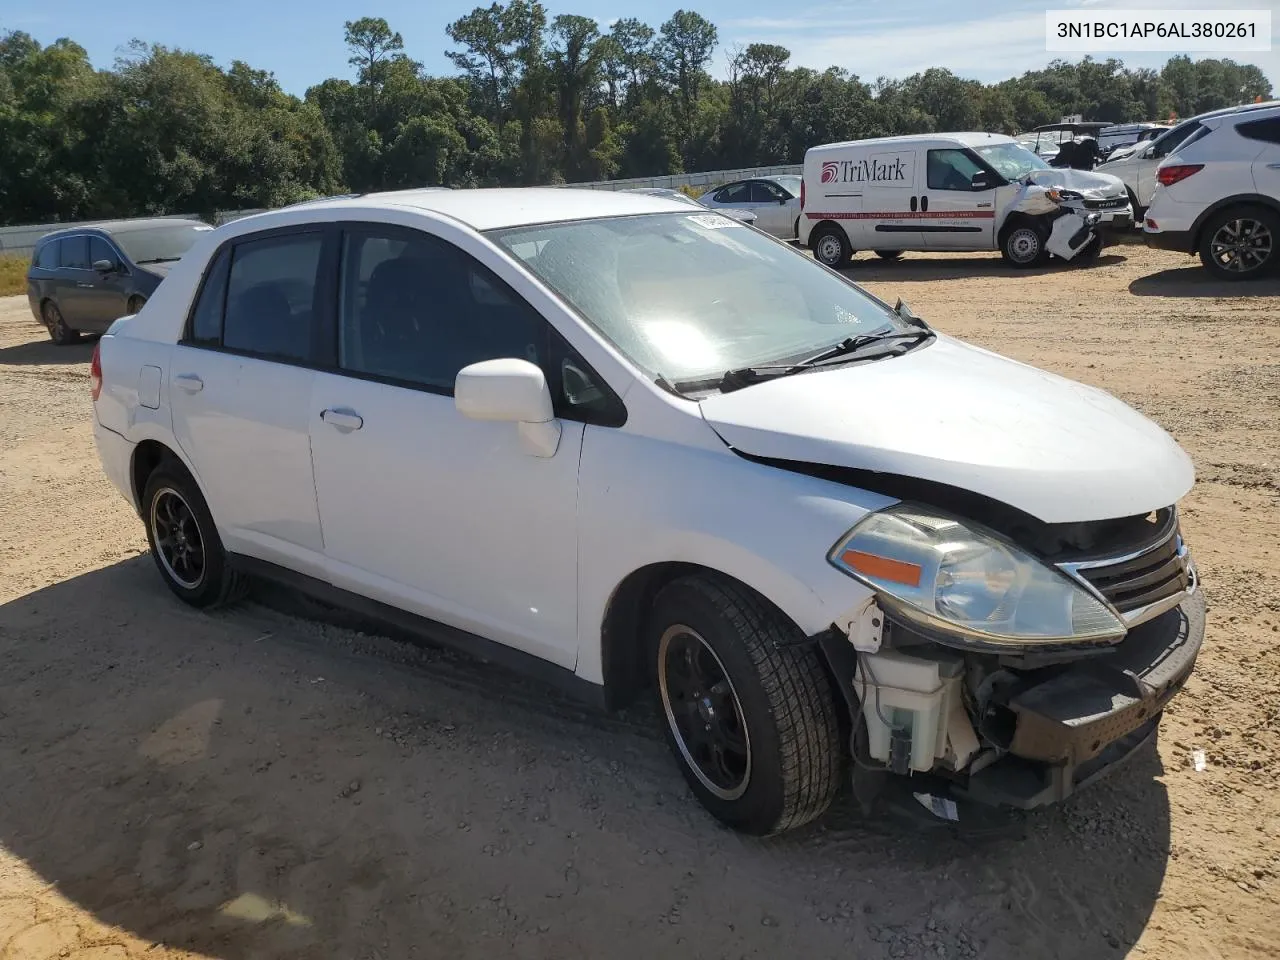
(157, 260)
(740, 377)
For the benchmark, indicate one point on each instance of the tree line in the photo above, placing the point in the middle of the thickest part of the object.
(533, 100)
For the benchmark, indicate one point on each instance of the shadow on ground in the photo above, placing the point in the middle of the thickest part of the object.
(247, 784)
(1195, 281)
(862, 268)
(46, 353)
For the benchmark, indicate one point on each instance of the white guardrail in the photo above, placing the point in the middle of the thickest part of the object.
(21, 241)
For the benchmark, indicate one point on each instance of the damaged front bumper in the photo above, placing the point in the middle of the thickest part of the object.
(1082, 721)
(1046, 730)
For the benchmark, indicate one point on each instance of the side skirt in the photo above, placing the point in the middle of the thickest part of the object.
(514, 661)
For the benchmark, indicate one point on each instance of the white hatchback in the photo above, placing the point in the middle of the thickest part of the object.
(632, 447)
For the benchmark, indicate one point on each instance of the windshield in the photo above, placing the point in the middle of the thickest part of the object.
(163, 242)
(1012, 161)
(690, 296)
(789, 184)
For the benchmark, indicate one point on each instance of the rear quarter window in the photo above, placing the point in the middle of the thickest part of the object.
(1267, 130)
(47, 257)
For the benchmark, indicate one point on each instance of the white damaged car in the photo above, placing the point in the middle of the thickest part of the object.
(636, 449)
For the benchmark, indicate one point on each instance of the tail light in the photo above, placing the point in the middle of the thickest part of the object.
(1168, 176)
(95, 372)
(801, 194)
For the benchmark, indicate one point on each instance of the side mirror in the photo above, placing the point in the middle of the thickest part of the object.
(982, 180)
(782, 201)
(105, 266)
(514, 391)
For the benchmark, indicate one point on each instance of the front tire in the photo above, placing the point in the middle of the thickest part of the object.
(1090, 251)
(1023, 246)
(1240, 243)
(830, 246)
(889, 254)
(747, 708)
(59, 332)
(184, 541)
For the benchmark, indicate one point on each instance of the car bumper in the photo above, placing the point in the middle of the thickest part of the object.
(1177, 240)
(1084, 721)
(116, 454)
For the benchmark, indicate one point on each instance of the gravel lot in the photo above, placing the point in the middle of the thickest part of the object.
(253, 783)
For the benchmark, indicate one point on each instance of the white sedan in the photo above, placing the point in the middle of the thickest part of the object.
(774, 200)
(636, 448)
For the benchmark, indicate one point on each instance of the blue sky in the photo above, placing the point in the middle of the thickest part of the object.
(988, 40)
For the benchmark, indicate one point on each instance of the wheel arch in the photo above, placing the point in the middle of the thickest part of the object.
(1239, 200)
(622, 654)
(148, 454)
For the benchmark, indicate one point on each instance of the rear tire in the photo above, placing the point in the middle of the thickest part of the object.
(830, 246)
(184, 541)
(747, 708)
(1023, 246)
(889, 254)
(1239, 243)
(59, 332)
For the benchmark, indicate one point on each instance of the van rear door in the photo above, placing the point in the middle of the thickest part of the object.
(890, 217)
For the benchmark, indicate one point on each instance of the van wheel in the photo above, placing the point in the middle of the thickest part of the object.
(1240, 243)
(830, 246)
(1024, 246)
(889, 254)
(59, 332)
(746, 705)
(184, 541)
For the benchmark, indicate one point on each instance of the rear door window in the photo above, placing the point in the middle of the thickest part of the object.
(74, 253)
(271, 294)
(734, 193)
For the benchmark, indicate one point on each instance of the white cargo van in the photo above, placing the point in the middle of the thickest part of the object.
(950, 191)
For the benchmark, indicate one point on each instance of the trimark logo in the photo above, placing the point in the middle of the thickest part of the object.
(830, 171)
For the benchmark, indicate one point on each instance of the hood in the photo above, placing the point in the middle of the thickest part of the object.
(959, 415)
(1089, 183)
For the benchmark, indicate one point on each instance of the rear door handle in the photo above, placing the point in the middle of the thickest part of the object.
(1273, 166)
(342, 419)
(189, 382)
(85, 286)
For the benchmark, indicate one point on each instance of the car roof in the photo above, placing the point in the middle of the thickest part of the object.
(1227, 111)
(970, 138)
(112, 227)
(497, 207)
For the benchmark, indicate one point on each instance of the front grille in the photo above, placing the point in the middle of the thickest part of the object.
(1137, 582)
(1114, 203)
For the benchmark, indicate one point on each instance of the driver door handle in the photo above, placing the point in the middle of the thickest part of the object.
(85, 286)
(189, 382)
(1273, 166)
(342, 419)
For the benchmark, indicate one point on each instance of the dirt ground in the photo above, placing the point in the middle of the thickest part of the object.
(251, 783)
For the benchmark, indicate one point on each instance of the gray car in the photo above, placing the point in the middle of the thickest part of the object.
(84, 278)
(774, 200)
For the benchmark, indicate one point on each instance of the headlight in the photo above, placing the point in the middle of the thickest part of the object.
(965, 582)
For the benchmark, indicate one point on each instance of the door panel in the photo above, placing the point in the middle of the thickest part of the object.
(241, 409)
(243, 423)
(75, 282)
(890, 217)
(106, 300)
(448, 517)
(958, 217)
(773, 217)
(421, 507)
